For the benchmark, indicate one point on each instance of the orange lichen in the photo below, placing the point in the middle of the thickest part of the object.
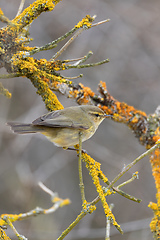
(156, 137)
(88, 92)
(155, 223)
(127, 111)
(82, 94)
(74, 93)
(155, 163)
(121, 112)
(103, 85)
(105, 109)
(85, 94)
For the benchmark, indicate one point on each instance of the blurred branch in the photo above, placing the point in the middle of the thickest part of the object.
(95, 172)
(4, 91)
(108, 224)
(5, 19)
(11, 75)
(146, 153)
(8, 219)
(87, 65)
(72, 225)
(134, 176)
(21, 5)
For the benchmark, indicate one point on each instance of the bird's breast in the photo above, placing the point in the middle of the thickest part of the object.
(67, 137)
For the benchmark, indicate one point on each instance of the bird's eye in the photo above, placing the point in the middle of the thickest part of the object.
(97, 115)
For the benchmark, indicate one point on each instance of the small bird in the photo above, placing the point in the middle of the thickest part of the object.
(62, 127)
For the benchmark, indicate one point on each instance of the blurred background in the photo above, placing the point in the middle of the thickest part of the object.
(131, 40)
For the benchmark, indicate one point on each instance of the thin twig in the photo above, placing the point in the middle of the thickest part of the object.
(8, 221)
(126, 195)
(72, 225)
(101, 22)
(108, 224)
(4, 91)
(146, 153)
(53, 44)
(75, 36)
(68, 43)
(120, 192)
(46, 189)
(82, 214)
(88, 65)
(81, 184)
(75, 59)
(70, 78)
(134, 176)
(10, 75)
(117, 190)
(89, 54)
(20, 7)
(5, 19)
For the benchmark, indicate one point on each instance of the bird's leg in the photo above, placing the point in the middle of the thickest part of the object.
(74, 149)
(81, 184)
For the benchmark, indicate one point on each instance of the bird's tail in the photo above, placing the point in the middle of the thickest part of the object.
(22, 128)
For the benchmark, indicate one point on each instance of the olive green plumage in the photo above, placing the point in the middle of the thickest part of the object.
(62, 127)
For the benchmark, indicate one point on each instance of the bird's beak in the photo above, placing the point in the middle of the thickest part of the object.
(107, 116)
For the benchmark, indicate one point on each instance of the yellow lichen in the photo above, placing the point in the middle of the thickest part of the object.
(3, 235)
(65, 202)
(85, 22)
(11, 217)
(94, 169)
(153, 206)
(30, 68)
(153, 224)
(1, 12)
(155, 227)
(5, 91)
(87, 207)
(33, 11)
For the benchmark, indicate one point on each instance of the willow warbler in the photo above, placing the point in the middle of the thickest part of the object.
(62, 127)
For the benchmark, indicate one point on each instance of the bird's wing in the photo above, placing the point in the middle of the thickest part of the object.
(54, 119)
